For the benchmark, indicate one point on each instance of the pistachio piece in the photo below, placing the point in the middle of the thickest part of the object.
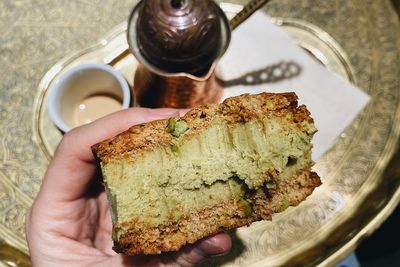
(285, 204)
(177, 127)
(174, 146)
(245, 206)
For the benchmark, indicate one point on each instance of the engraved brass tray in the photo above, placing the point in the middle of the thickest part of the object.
(359, 40)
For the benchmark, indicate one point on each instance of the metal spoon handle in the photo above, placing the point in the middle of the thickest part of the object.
(246, 12)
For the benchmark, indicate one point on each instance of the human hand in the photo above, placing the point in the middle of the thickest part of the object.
(69, 223)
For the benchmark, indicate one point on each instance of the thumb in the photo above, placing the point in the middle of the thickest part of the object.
(72, 169)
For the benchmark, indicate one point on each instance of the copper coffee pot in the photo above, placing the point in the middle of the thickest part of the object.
(177, 43)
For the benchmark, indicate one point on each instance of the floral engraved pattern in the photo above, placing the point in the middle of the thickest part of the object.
(40, 32)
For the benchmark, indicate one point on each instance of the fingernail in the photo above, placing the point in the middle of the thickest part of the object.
(182, 112)
(165, 112)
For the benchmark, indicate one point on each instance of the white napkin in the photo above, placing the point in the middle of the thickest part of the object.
(332, 101)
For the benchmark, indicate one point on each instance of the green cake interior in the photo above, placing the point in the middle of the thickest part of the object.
(199, 171)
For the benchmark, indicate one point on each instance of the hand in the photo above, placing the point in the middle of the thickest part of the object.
(69, 223)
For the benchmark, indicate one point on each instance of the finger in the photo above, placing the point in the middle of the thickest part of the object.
(218, 244)
(71, 170)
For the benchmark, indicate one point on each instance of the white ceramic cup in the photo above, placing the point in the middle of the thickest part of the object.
(80, 83)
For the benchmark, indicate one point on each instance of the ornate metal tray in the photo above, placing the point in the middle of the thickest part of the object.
(361, 185)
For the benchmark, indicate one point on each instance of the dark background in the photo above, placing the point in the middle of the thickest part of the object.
(382, 248)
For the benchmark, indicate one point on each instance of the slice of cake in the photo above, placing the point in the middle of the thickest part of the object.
(172, 182)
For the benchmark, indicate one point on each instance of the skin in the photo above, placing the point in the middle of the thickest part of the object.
(69, 223)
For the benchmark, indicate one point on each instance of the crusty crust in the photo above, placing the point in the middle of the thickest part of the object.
(141, 239)
(240, 109)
